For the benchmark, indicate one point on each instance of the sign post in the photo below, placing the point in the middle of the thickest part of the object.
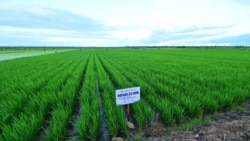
(128, 110)
(127, 96)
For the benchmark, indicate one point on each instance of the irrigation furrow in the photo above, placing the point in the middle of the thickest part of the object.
(65, 86)
(71, 131)
(116, 86)
(47, 118)
(41, 133)
(104, 127)
(116, 118)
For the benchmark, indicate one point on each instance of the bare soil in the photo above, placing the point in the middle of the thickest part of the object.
(232, 125)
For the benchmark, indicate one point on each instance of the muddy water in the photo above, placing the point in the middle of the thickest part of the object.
(21, 55)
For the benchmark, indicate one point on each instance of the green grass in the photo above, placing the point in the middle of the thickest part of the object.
(194, 122)
(241, 109)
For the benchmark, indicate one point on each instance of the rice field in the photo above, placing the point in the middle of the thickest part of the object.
(71, 95)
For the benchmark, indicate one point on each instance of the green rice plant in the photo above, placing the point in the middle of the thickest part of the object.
(192, 108)
(24, 127)
(143, 114)
(34, 99)
(89, 121)
(166, 112)
(94, 126)
(115, 120)
(182, 79)
(112, 123)
(94, 118)
(149, 90)
(178, 113)
(29, 88)
(209, 104)
(122, 123)
(81, 128)
(58, 123)
(82, 123)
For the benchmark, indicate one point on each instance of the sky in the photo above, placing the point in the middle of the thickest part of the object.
(124, 22)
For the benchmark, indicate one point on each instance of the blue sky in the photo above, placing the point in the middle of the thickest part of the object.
(124, 22)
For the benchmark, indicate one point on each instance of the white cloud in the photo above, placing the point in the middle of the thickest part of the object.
(58, 37)
(242, 28)
(6, 6)
(80, 41)
(127, 22)
(40, 11)
(22, 31)
(134, 34)
(167, 14)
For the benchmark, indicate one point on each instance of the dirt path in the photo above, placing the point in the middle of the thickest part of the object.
(233, 125)
(22, 55)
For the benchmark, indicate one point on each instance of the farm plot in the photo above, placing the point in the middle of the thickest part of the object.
(71, 95)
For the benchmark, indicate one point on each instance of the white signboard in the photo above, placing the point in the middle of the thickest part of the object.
(127, 96)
